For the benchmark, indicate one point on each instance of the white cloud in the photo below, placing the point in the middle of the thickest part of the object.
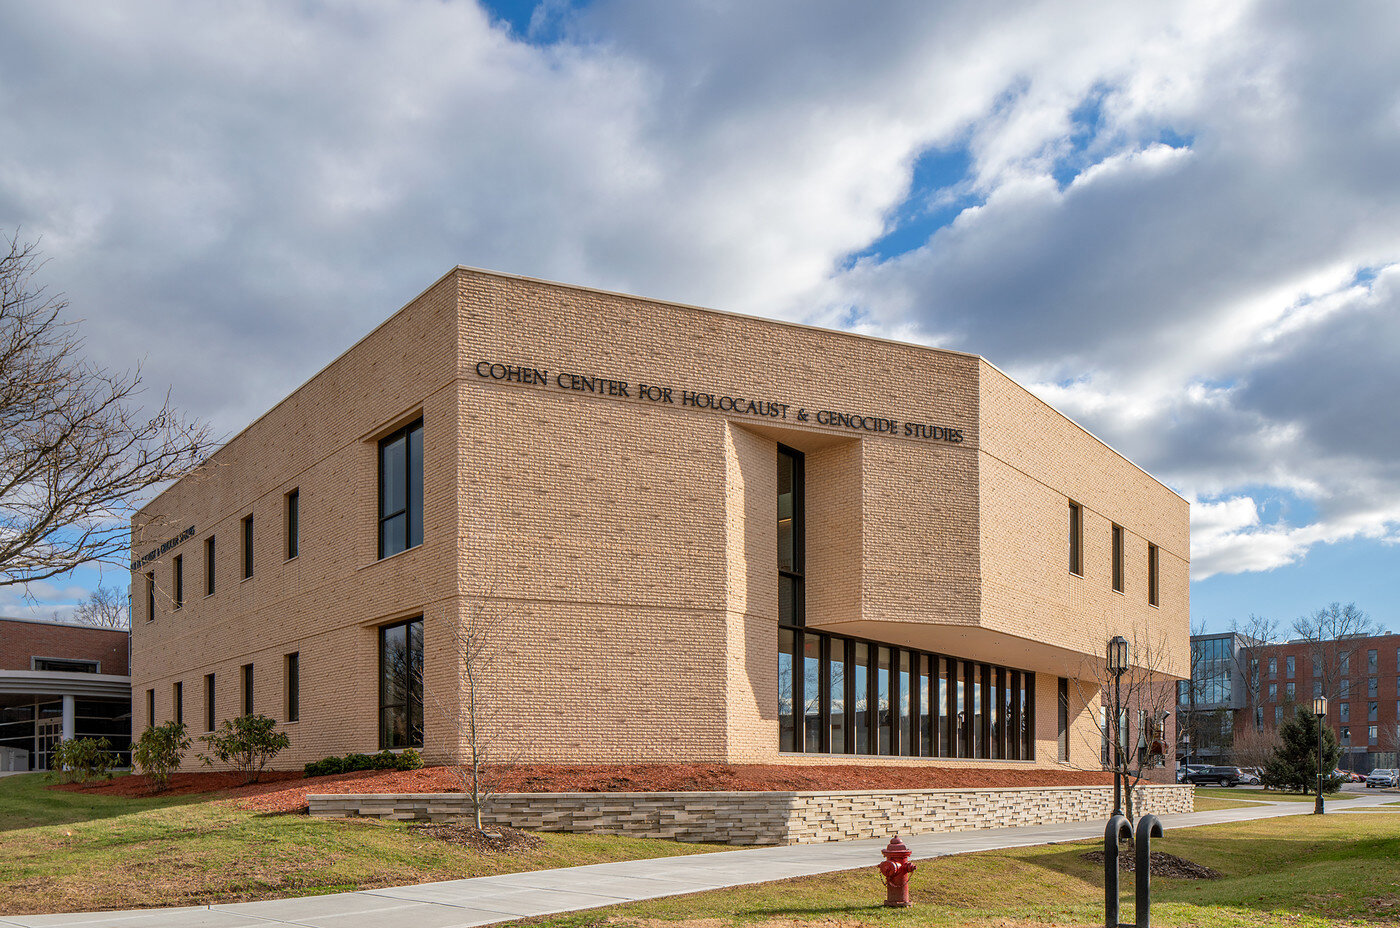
(1168, 204)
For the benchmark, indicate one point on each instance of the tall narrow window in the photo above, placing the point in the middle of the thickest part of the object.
(247, 689)
(860, 672)
(179, 565)
(812, 693)
(790, 537)
(293, 526)
(208, 702)
(1062, 727)
(401, 490)
(1076, 521)
(177, 697)
(787, 690)
(1118, 558)
(247, 546)
(209, 566)
(401, 685)
(293, 684)
(150, 708)
(150, 596)
(1152, 599)
(836, 683)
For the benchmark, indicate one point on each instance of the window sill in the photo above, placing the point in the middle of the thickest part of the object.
(381, 560)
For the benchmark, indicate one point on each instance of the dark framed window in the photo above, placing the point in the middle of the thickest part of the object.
(401, 490)
(177, 696)
(179, 567)
(1118, 558)
(293, 513)
(1076, 539)
(150, 596)
(1152, 595)
(401, 685)
(293, 684)
(791, 537)
(247, 546)
(1291, 666)
(66, 665)
(1062, 726)
(208, 702)
(247, 689)
(150, 708)
(209, 566)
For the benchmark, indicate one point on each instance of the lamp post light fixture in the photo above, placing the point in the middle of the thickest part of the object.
(1320, 710)
(1117, 664)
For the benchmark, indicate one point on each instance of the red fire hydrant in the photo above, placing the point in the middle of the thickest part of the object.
(896, 869)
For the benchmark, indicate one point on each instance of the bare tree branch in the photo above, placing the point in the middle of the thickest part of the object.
(104, 608)
(77, 454)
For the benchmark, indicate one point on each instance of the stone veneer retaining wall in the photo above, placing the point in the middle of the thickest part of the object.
(764, 817)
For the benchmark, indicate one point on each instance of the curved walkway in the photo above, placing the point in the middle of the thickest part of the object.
(484, 900)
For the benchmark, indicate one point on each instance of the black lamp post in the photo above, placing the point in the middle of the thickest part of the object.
(1320, 710)
(1117, 664)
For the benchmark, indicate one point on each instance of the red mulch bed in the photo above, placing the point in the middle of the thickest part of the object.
(286, 791)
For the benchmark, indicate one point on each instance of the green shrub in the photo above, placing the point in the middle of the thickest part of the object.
(407, 759)
(247, 742)
(83, 759)
(159, 751)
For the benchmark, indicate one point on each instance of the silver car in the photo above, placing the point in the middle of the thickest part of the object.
(1383, 776)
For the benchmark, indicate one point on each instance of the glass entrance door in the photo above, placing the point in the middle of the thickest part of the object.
(47, 734)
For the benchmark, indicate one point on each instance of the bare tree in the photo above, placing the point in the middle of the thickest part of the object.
(1254, 633)
(1253, 747)
(77, 453)
(1147, 695)
(105, 608)
(1335, 636)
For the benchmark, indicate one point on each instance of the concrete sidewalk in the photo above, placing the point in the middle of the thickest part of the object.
(481, 901)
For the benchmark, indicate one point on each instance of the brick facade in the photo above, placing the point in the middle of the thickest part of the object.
(620, 541)
(22, 640)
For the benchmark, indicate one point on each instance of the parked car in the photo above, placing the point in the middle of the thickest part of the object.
(1251, 776)
(1382, 777)
(1182, 771)
(1225, 776)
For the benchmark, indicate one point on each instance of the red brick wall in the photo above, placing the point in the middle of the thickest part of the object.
(21, 640)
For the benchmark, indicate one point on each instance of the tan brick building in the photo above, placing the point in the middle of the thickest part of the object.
(692, 535)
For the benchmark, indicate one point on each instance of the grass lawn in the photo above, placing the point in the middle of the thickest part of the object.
(1266, 795)
(1207, 804)
(1297, 871)
(66, 852)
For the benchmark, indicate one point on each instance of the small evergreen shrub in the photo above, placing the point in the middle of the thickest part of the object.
(81, 759)
(247, 743)
(159, 752)
(407, 759)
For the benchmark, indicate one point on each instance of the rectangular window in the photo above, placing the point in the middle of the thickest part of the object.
(1344, 711)
(179, 565)
(293, 507)
(787, 688)
(1152, 558)
(401, 490)
(401, 685)
(860, 670)
(836, 701)
(1278, 714)
(882, 699)
(209, 566)
(1345, 665)
(1317, 687)
(1317, 666)
(293, 684)
(791, 537)
(1371, 734)
(1346, 734)
(1273, 692)
(1273, 667)
(1371, 661)
(1076, 538)
(208, 702)
(1371, 689)
(247, 546)
(1063, 725)
(1290, 668)
(908, 727)
(150, 708)
(1371, 711)
(812, 693)
(65, 665)
(1346, 689)
(177, 698)
(150, 596)
(247, 689)
(1289, 691)
(1117, 558)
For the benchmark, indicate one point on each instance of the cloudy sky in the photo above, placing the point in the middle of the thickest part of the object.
(1178, 222)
